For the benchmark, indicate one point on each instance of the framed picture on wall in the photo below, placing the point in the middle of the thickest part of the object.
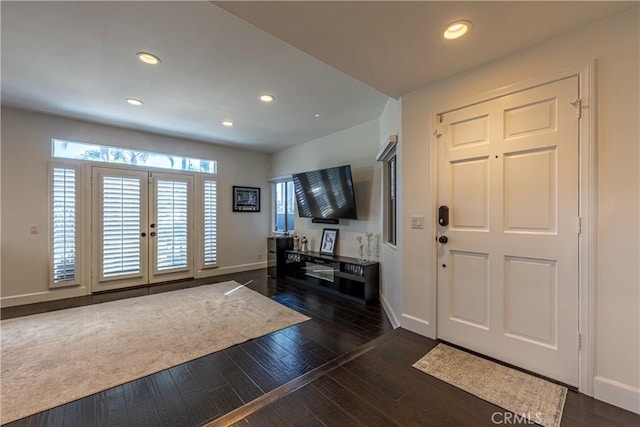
(329, 240)
(246, 199)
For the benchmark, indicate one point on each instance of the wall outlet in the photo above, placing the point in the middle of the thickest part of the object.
(34, 229)
(259, 256)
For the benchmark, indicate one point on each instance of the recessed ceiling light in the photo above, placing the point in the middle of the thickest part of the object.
(148, 58)
(227, 123)
(316, 115)
(134, 101)
(457, 29)
(266, 98)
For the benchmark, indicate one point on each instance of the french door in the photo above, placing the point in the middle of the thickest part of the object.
(508, 251)
(142, 226)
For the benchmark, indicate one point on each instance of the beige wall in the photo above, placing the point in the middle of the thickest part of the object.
(26, 151)
(614, 44)
(390, 256)
(356, 146)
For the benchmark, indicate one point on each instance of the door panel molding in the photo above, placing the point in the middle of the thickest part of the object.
(175, 220)
(587, 207)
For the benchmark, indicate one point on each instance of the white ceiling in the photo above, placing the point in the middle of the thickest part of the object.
(77, 59)
(397, 46)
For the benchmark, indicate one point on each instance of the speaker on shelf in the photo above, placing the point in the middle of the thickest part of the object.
(325, 221)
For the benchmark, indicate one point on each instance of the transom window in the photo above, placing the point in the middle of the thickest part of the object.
(127, 156)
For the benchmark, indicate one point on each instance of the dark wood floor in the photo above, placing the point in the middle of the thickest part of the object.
(378, 387)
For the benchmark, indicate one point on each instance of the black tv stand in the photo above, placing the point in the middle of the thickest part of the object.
(347, 277)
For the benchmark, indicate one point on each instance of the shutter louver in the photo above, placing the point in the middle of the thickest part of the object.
(210, 224)
(63, 225)
(172, 226)
(121, 226)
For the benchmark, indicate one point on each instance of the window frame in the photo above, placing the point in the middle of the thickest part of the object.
(388, 157)
(391, 199)
(274, 210)
(202, 264)
(84, 261)
(79, 225)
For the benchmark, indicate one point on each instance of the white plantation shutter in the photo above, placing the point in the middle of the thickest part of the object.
(210, 222)
(172, 224)
(63, 226)
(121, 226)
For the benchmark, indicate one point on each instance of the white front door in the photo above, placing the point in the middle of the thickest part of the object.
(508, 274)
(141, 227)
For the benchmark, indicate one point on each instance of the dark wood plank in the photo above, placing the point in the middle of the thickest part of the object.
(267, 417)
(280, 362)
(143, 413)
(328, 412)
(198, 374)
(111, 409)
(226, 399)
(351, 403)
(377, 388)
(241, 383)
(280, 343)
(294, 412)
(51, 418)
(253, 369)
(580, 409)
(81, 412)
(201, 405)
(136, 391)
(375, 398)
(171, 409)
(22, 422)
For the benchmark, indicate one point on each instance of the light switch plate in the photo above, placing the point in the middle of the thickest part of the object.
(417, 221)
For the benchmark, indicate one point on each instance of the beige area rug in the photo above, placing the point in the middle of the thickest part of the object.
(538, 400)
(53, 358)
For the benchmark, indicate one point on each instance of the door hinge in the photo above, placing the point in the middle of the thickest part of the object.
(438, 131)
(579, 225)
(441, 129)
(579, 341)
(577, 104)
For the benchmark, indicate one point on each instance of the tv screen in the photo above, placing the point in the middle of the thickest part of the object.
(326, 193)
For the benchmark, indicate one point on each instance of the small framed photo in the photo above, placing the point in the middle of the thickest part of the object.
(246, 199)
(328, 242)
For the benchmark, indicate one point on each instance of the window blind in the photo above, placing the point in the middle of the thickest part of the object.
(63, 224)
(210, 222)
(172, 224)
(121, 226)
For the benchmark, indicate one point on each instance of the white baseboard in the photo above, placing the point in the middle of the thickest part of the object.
(51, 295)
(419, 326)
(390, 314)
(233, 269)
(617, 393)
(71, 292)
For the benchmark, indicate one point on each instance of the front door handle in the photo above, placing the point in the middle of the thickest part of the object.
(153, 233)
(442, 239)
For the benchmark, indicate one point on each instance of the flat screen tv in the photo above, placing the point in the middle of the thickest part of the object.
(326, 193)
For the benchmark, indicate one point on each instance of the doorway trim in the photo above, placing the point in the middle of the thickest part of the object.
(587, 207)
